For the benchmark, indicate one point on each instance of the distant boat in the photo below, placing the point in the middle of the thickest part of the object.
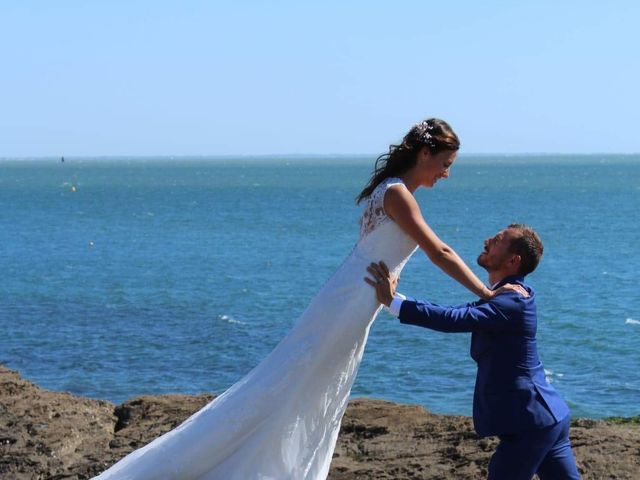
(61, 159)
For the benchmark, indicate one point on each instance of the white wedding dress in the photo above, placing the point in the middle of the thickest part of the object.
(281, 421)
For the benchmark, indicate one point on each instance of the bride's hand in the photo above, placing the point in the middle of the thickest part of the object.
(510, 287)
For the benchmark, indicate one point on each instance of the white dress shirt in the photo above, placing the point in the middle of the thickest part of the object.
(396, 303)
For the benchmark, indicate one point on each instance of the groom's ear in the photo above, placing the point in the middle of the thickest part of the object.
(515, 261)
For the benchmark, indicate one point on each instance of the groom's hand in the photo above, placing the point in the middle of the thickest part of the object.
(383, 283)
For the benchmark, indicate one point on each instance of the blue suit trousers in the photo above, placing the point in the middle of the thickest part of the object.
(545, 451)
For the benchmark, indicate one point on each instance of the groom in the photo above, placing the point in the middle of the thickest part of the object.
(512, 398)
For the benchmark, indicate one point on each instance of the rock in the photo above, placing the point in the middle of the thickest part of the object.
(53, 435)
(49, 433)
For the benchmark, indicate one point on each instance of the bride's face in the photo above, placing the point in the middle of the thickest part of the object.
(434, 167)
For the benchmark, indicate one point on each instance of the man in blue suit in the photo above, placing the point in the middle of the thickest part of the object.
(512, 398)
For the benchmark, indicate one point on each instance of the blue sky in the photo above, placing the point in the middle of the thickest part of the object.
(221, 78)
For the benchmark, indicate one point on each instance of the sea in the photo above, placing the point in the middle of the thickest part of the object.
(132, 276)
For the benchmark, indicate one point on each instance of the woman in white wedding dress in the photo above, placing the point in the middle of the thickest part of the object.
(281, 421)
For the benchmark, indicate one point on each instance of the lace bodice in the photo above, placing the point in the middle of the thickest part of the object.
(374, 214)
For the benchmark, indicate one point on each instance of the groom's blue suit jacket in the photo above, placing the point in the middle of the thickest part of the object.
(511, 394)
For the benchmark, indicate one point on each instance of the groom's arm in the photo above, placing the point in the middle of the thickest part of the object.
(470, 317)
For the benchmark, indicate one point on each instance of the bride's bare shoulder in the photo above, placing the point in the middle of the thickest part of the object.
(398, 200)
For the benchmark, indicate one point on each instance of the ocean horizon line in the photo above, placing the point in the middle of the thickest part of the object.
(286, 156)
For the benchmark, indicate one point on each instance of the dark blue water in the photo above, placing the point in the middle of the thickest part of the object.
(127, 277)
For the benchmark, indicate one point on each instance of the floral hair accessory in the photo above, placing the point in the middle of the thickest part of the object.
(423, 132)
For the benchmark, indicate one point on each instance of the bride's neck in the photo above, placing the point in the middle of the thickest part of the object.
(410, 181)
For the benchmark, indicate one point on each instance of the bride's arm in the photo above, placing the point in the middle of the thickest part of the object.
(401, 206)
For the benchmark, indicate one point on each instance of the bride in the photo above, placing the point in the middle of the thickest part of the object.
(281, 420)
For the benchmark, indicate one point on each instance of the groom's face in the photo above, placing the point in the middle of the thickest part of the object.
(496, 250)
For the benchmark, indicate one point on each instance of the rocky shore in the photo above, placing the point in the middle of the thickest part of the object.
(53, 435)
